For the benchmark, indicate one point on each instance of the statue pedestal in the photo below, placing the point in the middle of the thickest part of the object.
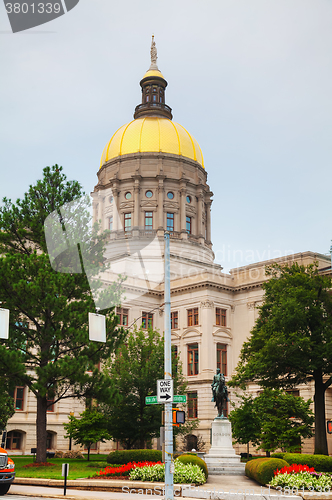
(221, 458)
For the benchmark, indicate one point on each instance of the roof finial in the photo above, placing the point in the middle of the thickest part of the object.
(154, 56)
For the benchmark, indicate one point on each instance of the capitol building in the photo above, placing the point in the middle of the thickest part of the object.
(152, 178)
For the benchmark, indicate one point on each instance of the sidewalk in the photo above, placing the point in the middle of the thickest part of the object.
(217, 487)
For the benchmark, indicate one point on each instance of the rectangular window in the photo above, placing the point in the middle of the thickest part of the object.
(127, 222)
(174, 319)
(123, 315)
(188, 224)
(170, 222)
(49, 441)
(50, 404)
(110, 223)
(18, 397)
(222, 358)
(192, 316)
(147, 320)
(220, 317)
(148, 221)
(192, 359)
(192, 404)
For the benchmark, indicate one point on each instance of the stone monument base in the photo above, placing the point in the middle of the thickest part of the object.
(221, 458)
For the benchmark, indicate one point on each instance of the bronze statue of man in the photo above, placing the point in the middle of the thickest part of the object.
(219, 392)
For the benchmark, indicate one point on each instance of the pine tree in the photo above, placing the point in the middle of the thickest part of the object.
(48, 349)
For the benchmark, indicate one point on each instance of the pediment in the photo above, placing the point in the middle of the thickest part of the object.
(192, 333)
(175, 336)
(148, 203)
(190, 210)
(171, 204)
(126, 205)
(222, 333)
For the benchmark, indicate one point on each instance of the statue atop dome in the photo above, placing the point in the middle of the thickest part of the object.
(154, 56)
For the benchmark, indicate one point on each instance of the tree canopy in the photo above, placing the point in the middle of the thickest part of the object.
(274, 419)
(134, 372)
(291, 342)
(6, 403)
(90, 428)
(48, 349)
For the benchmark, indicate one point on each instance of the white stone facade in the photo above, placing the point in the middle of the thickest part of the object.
(197, 283)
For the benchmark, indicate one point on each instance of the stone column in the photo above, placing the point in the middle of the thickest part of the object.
(100, 209)
(208, 221)
(116, 221)
(200, 217)
(183, 194)
(161, 204)
(207, 354)
(137, 202)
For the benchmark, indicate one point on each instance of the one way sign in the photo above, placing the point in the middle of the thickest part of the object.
(165, 391)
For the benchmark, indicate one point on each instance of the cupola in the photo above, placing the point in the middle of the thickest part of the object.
(153, 86)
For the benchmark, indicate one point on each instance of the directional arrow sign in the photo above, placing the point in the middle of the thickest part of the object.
(151, 400)
(165, 391)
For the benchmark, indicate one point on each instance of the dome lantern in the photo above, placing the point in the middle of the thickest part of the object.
(153, 86)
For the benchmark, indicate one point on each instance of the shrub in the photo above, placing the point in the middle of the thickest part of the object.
(58, 454)
(184, 473)
(262, 469)
(125, 456)
(321, 463)
(73, 454)
(190, 458)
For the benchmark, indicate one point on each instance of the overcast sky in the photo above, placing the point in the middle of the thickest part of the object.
(249, 79)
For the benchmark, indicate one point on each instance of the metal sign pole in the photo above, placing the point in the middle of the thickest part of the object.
(169, 493)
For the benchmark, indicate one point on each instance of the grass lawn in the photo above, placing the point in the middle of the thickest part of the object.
(78, 469)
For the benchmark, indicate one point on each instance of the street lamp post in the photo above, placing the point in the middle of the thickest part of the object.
(169, 495)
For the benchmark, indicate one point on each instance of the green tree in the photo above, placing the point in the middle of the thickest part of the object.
(284, 418)
(6, 404)
(48, 349)
(90, 428)
(245, 420)
(134, 372)
(291, 342)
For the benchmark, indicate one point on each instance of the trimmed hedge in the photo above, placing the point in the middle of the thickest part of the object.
(262, 469)
(124, 456)
(321, 463)
(194, 459)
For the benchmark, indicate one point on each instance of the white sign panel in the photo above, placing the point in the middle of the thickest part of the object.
(165, 391)
(64, 471)
(97, 327)
(4, 323)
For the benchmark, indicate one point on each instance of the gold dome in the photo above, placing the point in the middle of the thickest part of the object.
(152, 134)
(151, 73)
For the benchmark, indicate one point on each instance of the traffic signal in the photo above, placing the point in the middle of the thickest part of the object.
(179, 417)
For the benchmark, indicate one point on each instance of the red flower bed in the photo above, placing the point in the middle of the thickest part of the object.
(294, 469)
(124, 470)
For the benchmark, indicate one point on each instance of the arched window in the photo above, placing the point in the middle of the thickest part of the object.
(14, 440)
